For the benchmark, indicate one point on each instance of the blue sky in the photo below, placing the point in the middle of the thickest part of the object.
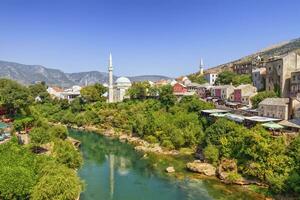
(165, 37)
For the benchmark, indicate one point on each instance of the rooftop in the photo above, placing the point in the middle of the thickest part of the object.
(215, 111)
(275, 101)
(261, 119)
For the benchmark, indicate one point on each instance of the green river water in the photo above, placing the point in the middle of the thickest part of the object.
(114, 171)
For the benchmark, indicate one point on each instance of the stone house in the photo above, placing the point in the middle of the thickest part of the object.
(278, 72)
(295, 83)
(275, 108)
(259, 78)
(243, 94)
(243, 68)
(222, 91)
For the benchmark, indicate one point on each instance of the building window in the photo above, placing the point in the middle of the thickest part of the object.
(294, 78)
(279, 66)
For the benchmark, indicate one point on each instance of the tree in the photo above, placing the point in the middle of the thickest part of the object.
(225, 77)
(197, 78)
(228, 77)
(139, 90)
(166, 96)
(59, 131)
(39, 136)
(65, 153)
(260, 96)
(39, 89)
(211, 154)
(13, 96)
(17, 171)
(23, 123)
(93, 93)
(57, 182)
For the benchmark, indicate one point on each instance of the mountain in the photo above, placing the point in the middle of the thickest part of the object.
(28, 74)
(274, 50)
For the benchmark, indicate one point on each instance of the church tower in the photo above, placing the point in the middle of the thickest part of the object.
(201, 66)
(110, 81)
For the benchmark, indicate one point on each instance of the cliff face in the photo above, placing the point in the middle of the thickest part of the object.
(275, 50)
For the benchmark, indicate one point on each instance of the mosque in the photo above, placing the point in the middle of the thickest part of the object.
(116, 92)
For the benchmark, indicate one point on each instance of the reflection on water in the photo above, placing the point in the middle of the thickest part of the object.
(114, 171)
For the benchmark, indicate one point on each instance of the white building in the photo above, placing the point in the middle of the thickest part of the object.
(211, 78)
(121, 86)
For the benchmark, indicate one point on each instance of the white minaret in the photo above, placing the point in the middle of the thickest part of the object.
(201, 66)
(110, 81)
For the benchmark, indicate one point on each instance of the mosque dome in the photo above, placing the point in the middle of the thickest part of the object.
(123, 81)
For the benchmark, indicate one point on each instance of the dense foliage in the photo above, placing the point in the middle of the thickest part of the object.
(197, 78)
(228, 77)
(155, 115)
(24, 174)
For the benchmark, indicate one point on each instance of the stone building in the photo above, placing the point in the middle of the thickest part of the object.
(278, 73)
(275, 108)
(295, 83)
(243, 68)
(259, 78)
(243, 94)
(222, 91)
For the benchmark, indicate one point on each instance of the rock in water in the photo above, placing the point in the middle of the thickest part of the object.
(203, 168)
(170, 169)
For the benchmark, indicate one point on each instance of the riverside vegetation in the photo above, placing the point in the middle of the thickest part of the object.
(156, 116)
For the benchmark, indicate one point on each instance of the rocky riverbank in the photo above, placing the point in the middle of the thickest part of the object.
(226, 171)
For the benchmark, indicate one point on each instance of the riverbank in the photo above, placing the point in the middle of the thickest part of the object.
(171, 158)
(123, 173)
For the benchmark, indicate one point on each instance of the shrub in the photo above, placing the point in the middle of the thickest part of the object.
(211, 154)
(151, 139)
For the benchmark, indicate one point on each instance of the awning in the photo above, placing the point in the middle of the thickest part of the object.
(215, 111)
(236, 118)
(272, 125)
(3, 125)
(289, 123)
(218, 114)
(261, 119)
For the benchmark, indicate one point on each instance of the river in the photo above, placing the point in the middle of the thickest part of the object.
(114, 171)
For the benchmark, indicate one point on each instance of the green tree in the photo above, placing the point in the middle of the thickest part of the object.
(17, 171)
(59, 131)
(57, 182)
(228, 77)
(13, 96)
(39, 89)
(260, 96)
(39, 136)
(139, 90)
(93, 93)
(211, 154)
(166, 96)
(197, 78)
(65, 153)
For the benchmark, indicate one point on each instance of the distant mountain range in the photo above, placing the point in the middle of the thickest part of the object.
(28, 74)
(274, 50)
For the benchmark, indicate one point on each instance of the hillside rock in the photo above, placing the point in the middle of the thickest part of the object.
(202, 168)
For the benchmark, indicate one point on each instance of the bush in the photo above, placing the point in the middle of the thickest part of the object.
(233, 177)
(57, 182)
(65, 153)
(151, 139)
(211, 154)
(59, 131)
(168, 144)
